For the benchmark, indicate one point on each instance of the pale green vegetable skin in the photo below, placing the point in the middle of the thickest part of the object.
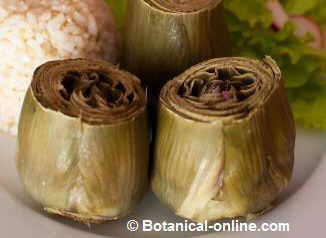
(213, 167)
(159, 42)
(91, 173)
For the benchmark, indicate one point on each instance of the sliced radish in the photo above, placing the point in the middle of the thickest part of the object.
(324, 37)
(306, 25)
(280, 17)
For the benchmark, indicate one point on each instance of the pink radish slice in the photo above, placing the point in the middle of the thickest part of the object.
(280, 17)
(306, 25)
(324, 37)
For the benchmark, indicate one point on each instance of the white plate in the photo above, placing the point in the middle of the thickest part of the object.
(303, 205)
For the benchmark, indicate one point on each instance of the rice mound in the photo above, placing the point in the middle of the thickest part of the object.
(35, 31)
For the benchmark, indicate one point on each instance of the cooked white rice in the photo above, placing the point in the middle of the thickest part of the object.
(35, 31)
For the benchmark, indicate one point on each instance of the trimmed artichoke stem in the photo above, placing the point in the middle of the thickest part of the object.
(225, 140)
(163, 38)
(88, 124)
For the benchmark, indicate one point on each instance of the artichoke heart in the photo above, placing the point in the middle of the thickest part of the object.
(162, 38)
(225, 140)
(83, 140)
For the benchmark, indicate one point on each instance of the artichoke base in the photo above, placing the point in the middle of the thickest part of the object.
(82, 218)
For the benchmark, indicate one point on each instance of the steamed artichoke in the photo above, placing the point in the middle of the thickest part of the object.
(83, 140)
(162, 38)
(225, 140)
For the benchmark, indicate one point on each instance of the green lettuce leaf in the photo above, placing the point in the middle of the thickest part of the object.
(300, 7)
(319, 13)
(302, 66)
(309, 103)
(118, 9)
(253, 12)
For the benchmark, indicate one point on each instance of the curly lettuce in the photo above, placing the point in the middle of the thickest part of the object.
(303, 67)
